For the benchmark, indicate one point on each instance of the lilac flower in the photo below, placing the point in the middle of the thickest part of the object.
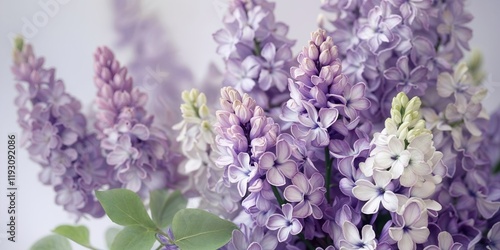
(379, 27)
(278, 166)
(286, 224)
(242, 74)
(452, 26)
(464, 112)
(412, 223)
(459, 84)
(494, 237)
(406, 81)
(252, 239)
(242, 173)
(381, 192)
(472, 194)
(352, 239)
(355, 100)
(413, 9)
(44, 140)
(271, 73)
(445, 243)
(394, 157)
(316, 123)
(308, 193)
(123, 152)
(256, 51)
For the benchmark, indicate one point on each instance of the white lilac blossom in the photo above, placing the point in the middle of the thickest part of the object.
(196, 137)
(411, 225)
(138, 152)
(405, 149)
(256, 51)
(56, 137)
(353, 241)
(381, 192)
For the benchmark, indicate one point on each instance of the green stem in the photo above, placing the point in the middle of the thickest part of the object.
(308, 244)
(278, 196)
(256, 49)
(328, 177)
(497, 168)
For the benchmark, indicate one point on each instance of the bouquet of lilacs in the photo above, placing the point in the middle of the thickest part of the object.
(372, 137)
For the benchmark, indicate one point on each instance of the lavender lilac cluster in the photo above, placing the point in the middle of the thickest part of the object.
(395, 45)
(55, 134)
(256, 51)
(138, 152)
(329, 184)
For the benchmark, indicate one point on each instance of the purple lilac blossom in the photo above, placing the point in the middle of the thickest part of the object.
(324, 109)
(54, 132)
(397, 45)
(137, 151)
(459, 124)
(256, 52)
(431, 37)
(250, 152)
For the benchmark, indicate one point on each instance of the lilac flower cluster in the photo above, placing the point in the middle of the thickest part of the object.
(279, 175)
(196, 137)
(460, 128)
(325, 185)
(138, 152)
(395, 45)
(256, 51)
(249, 150)
(55, 134)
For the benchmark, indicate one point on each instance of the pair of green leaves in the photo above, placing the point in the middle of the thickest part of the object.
(192, 228)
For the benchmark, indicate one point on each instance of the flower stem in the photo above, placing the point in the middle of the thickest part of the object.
(328, 177)
(277, 195)
(497, 168)
(303, 239)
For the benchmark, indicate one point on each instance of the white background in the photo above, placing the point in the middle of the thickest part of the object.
(69, 39)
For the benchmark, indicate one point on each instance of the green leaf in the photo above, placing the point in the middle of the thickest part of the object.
(111, 234)
(52, 242)
(78, 234)
(134, 238)
(199, 230)
(125, 208)
(164, 206)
